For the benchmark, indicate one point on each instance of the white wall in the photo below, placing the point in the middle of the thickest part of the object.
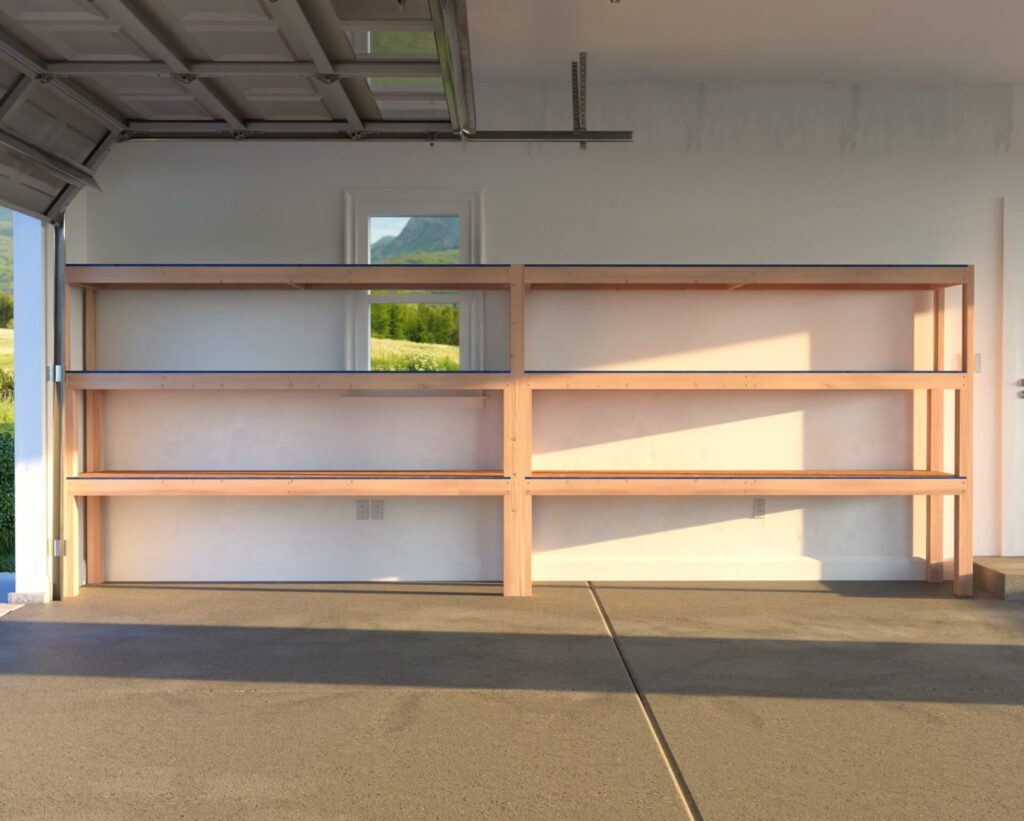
(758, 174)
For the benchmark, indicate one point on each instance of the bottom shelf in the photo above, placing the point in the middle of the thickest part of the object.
(539, 483)
(289, 483)
(745, 483)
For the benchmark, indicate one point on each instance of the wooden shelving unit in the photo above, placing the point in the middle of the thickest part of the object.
(517, 483)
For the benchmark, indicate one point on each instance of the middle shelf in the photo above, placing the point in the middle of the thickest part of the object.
(498, 380)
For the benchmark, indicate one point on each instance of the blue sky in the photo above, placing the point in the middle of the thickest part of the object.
(386, 226)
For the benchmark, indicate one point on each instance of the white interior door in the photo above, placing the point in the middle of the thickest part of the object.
(1013, 374)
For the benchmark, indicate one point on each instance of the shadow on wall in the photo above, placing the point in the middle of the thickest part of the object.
(874, 671)
(703, 330)
(704, 538)
(722, 430)
(726, 430)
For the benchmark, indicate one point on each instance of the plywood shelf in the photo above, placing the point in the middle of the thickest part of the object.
(746, 380)
(499, 380)
(749, 277)
(285, 380)
(180, 277)
(721, 277)
(745, 483)
(289, 483)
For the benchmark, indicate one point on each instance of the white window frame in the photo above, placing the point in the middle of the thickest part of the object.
(360, 206)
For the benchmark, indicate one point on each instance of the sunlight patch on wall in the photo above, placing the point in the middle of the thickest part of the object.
(772, 441)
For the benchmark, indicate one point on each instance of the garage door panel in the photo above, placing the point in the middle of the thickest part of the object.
(25, 186)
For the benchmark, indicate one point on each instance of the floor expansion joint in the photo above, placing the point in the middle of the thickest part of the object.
(683, 790)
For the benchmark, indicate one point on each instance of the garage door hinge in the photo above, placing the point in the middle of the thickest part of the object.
(54, 373)
(58, 548)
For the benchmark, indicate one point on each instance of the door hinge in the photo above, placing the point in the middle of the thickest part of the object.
(54, 373)
(58, 548)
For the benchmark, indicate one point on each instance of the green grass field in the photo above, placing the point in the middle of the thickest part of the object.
(403, 355)
(6, 349)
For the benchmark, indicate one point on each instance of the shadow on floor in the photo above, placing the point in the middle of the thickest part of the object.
(812, 669)
(867, 590)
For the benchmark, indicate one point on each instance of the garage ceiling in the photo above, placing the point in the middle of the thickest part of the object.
(79, 75)
(847, 41)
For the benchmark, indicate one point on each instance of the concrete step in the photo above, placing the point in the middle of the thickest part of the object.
(1002, 576)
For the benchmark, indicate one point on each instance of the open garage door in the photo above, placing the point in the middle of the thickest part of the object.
(51, 138)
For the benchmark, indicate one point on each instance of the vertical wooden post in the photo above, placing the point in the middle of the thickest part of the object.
(963, 557)
(70, 581)
(518, 409)
(94, 401)
(934, 561)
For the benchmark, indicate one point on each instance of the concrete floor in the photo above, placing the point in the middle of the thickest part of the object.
(781, 701)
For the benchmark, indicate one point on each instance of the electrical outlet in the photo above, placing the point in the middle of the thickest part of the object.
(759, 508)
(977, 363)
(362, 508)
(376, 508)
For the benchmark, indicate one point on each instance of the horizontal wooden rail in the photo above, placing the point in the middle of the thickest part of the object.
(745, 483)
(289, 483)
(751, 380)
(470, 380)
(289, 276)
(729, 277)
(284, 380)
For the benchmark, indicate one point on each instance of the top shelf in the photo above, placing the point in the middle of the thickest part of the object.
(300, 277)
(748, 277)
(596, 277)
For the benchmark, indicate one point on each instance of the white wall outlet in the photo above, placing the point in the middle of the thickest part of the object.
(376, 508)
(977, 363)
(362, 508)
(759, 508)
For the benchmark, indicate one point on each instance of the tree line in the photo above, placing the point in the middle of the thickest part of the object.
(417, 322)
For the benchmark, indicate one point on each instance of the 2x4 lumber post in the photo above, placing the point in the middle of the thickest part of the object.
(69, 565)
(518, 505)
(934, 559)
(94, 402)
(963, 554)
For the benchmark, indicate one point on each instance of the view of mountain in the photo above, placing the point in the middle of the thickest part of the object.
(422, 240)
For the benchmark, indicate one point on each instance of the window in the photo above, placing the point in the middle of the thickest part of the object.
(414, 331)
(417, 330)
(414, 240)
